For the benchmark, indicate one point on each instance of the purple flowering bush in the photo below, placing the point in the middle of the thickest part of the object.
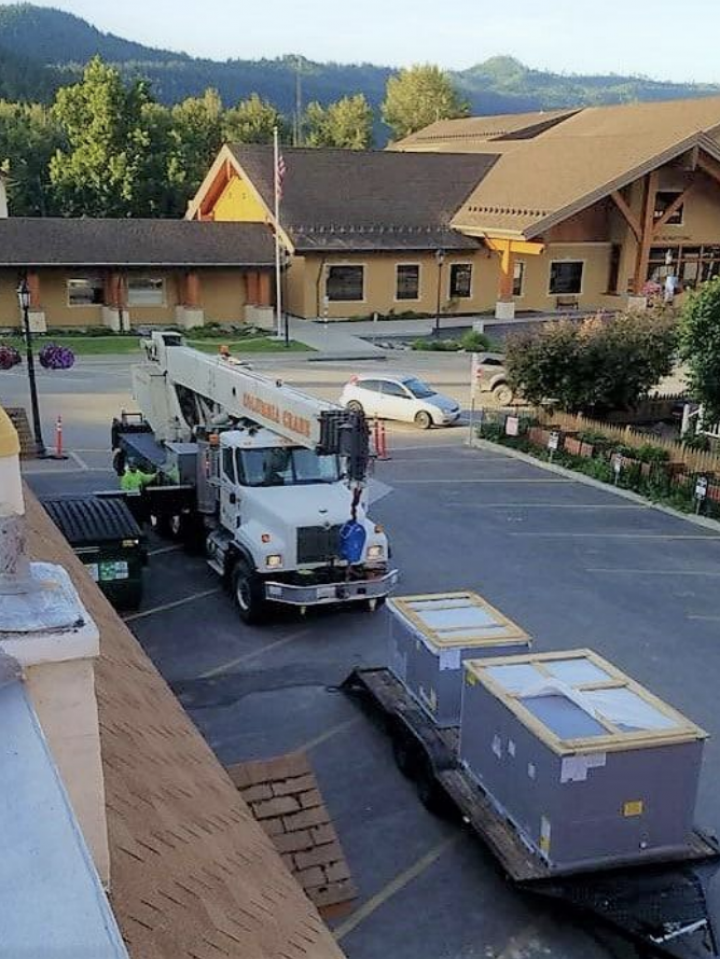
(54, 357)
(9, 357)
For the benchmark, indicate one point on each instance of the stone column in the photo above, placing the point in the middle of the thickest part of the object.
(189, 313)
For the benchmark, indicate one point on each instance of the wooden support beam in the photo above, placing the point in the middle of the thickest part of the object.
(33, 282)
(646, 237)
(265, 293)
(710, 166)
(630, 217)
(673, 208)
(191, 293)
(521, 247)
(505, 286)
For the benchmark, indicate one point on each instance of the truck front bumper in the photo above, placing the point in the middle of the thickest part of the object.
(320, 594)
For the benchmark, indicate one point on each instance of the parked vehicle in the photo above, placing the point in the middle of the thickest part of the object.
(399, 397)
(272, 481)
(491, 377)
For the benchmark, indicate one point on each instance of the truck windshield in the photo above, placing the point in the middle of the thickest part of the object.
(285, 466)
(418, 388)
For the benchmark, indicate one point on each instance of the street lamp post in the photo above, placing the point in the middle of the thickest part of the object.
(439, 259)
(23, 294)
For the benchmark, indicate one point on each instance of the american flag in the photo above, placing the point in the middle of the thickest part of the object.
(280, 171)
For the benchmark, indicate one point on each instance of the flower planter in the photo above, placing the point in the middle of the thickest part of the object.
(540, 435)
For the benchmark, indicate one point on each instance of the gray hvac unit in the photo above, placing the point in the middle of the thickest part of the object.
(589, 766)
(431, 635)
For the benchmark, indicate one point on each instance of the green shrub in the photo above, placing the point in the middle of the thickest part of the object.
(595, 438)
(648, 453)
(697, 442)
(597, 365)
(474, 342)
(436, 345)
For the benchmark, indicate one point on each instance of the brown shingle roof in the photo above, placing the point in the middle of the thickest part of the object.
(41, 241)
(365, 200)
(471, 133)
(576, 162)
(193, 876)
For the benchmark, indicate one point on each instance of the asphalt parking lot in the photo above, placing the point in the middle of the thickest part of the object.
(574, 565)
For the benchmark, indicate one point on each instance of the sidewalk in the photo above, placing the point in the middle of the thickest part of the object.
(333, 341)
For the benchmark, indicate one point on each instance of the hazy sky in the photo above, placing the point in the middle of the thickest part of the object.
(665, 39)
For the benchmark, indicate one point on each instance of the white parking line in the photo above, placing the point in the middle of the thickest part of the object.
(660, 536)
(166, 606)
(224, 667)
(502, 481)
(604, 506)
(713, 573)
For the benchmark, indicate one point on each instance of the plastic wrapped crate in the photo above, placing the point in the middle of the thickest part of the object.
(430, 636)
(590, 767)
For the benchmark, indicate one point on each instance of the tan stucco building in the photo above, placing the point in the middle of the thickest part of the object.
(569, 209)
(128, 273)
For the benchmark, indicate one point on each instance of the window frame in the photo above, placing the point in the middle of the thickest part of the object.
(462, 264)
(658, 215)
(402, 394)
(341, 266)
(408, 299)
(84, 279)
(523, 269)
(578, 292)
(146, 306)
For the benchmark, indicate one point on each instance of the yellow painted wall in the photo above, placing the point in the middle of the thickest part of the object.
(222, 297)
(596, 259)
(305, 299)
(238, 203)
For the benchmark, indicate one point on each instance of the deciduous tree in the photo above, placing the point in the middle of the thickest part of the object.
(596, 366)
(347, 123)
(418, 96)
(253, 121)
(700, 346)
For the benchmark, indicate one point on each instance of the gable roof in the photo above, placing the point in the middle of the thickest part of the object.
(366, 200)
(545, 179)
(482, 134)
(193, 875)
(54, 241)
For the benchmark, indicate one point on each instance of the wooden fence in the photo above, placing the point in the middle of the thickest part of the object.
(696, 461)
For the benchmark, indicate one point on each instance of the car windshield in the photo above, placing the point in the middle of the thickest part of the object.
(419, 390)
(285, 466)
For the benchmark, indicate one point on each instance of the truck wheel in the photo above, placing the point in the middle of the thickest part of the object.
(423, 420)
(503, 394)
(371, 605)
(247, 590)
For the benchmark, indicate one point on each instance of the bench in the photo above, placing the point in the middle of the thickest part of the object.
(570, 302)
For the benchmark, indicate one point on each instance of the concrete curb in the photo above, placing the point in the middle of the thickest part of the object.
(703, 521)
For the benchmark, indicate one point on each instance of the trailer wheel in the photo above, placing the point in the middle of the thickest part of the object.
(431, 795)
(406, 756)
(248, 593)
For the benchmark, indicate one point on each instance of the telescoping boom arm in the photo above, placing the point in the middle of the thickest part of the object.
(240, 393)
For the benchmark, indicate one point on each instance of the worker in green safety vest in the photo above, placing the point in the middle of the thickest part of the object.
(134, 480)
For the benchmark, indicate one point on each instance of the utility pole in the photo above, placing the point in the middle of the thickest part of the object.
(297, 124)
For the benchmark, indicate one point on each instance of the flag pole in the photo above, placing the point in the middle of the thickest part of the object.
(278, 267)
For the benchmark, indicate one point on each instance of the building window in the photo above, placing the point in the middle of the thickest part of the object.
(566, 277)
(692, 265)
(664, 199)
(145, 291)
(85, 291)
(518, 277)
(345, 283)
(407, 282)
(460, 281)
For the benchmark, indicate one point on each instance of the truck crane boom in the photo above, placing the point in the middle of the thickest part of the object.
(207, 387)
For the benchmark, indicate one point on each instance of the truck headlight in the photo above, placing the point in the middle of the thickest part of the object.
(273, 561)
(376, 552)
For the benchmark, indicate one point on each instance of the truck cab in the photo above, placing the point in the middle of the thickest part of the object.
(281, 512)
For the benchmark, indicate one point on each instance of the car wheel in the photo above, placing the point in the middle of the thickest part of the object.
(423, 420)
(503, 394)
(355, 407)
(247, 591)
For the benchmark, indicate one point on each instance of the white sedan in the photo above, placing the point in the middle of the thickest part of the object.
(403, 398)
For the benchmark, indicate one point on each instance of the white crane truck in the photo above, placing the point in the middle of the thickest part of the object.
(273, 480)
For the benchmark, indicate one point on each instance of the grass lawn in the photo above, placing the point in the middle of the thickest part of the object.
(121, 345)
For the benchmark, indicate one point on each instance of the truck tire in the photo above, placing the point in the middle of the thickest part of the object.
(248, 593)
(503, 394)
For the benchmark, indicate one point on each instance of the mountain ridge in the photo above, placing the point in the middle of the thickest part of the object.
(43, 47)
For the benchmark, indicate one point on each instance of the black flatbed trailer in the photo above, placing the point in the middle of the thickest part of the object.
(659, 902)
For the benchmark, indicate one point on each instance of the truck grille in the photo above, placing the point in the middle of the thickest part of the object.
(315, 544)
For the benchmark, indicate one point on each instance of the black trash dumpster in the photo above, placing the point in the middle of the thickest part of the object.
(105, 536)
